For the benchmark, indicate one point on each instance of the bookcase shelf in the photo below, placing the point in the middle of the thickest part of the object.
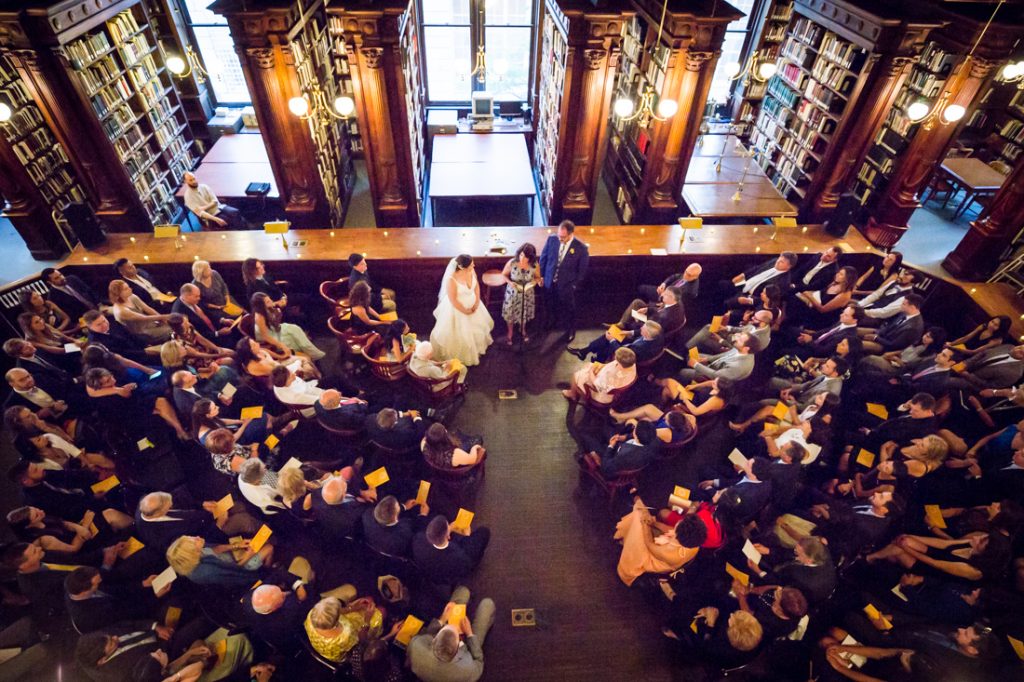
(316, 64)
(774, 18)
(342, 75)
(997, 122)
(924, 83)
(414, 101)
(804, 103)
(549, 109)
(123, 75)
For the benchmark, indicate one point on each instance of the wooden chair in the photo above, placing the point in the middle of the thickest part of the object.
(347, 338)
(385, 370)
(624, 480)
(600, 408)
(247, 326)
(343, 433)
(650, 362)
(426, 386)
(457, 478)
(335, 292)
(672, 450)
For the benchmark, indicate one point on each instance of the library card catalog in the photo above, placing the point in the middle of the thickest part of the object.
(260, 539)
(716, 324)
(410, 628)
(376, 479)
(463, 520)
(167, 577)
(866, 458)
(880, 411)
(130, 547)
(106, 484)
(224, 505)
(421, 494)
(456, 614)
(737, 574)
(934, 516)
(254, 412)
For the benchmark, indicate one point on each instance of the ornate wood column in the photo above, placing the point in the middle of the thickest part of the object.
(261, 33)
(594, 37)
(695, 37)
(372, 44)
(30, 217)
(978, 253)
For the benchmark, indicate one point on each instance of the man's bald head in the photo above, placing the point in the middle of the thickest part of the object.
(764, 317)
(692, 272)
(330, 399)
(334, 490)
(20, 379)
(267, 599)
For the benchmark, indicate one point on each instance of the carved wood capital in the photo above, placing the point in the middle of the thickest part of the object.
(593, 59)
(981, 67)
(261, 57)
(695, 61)
(29, 59)
(372, 56)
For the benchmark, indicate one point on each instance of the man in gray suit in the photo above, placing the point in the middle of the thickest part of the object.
(759, 329)
(830, 380)
(436, 654)
(735, 364)
(999, 367)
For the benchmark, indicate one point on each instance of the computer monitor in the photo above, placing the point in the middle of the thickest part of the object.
(483, 105)
(510, 108)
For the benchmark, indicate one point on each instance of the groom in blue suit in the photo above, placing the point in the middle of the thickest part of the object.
(563, 263)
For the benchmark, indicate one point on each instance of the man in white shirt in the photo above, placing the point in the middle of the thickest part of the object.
(140, 283)
(885, 301)
(292, 390)
(201, 200)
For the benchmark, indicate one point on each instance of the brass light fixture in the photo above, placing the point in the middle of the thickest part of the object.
(190, 64)
(651, 107)
(315, 105)
(753, 71)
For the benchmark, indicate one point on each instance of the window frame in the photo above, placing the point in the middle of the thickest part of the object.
(477, 34)
(189, 24)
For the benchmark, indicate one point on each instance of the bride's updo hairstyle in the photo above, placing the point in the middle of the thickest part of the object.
(463, 261)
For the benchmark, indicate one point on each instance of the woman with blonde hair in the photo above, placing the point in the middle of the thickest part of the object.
(216, 566)
(47, 339)
(334, 630)
(212, 289)
(175, 356)
(295, 492)
(139, 318)
(601, 379)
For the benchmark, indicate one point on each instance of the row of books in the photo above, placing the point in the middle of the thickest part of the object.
(798, 53)
(128, 142)
(843, 52)
(167, 132)
(1013, 130)
(552, 82)
(87, 49)
(123, 26)
(24, 119)
(144, 71)
(159, 112)
(926, 83)
(787, 96)
(31, 144)
(46, 163)
(935, 59)
(805, 30)
(834, 76)
(61, 189)
(99, 74)
(118, 121)
(110, 97)
(816, 119)
(135, 49)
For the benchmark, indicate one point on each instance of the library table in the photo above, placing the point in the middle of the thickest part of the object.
(975, 176)
(702, 170)
(478, 148)
(237, 148)
(712, 145)
(760, 199)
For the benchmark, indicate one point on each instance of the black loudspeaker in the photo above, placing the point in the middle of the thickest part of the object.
(845, 214)
(85, 225)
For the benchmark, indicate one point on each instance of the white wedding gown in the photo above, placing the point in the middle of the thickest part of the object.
(458, 335)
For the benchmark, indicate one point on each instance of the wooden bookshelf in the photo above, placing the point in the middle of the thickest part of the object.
(123, 75)
(996, 121)
(771, 21)
(553, 54)
(925, 83)
(343, 76)
(415, 97)
(316, 65)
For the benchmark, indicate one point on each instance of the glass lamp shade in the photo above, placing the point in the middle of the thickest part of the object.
(953, 113)
(298, 106)
(176, 65)
(732, 69)
(667, 108)
(623, 107)
(344, 106)
(917, 111)
(5, 113)
(1011, 72)
(767, 70)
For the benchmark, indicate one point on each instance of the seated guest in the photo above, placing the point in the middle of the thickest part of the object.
(667, 311)
(209, 322)
(141, 283)
(444, 558)
(294, 491)
(121, 401)
(758, 331)
(61, 502)
(291, 390)
(205, 419)
(53, 534)
(396, 344)
(216, 566)
(984, 337)
(389, 528)
(819, 344)
(792, 368)
(213, 291)
(93, 605)
(735, 364)
(159, 524)
(746, 287)
(599, 382)
(210, 379)
(25, 356)
(443, 450)
(728, 641)
(47, 401)
(199, 351)
(820, 305)
(48, 340)
(258, 485)
(394, 430)
(687, 281)
(910, 359)
(201, 200)
(1000, 367)
(275, 616)
(936, 378)
(384, 300)
(882, 274)
(674, 426)
(33, 302)
(900, 330)
(646, 344)
(334, 510)
(778, 609)
(125, 651)
(114, 337)
(364, 317)
(254, 276)
(976, 556)
(253, 360)
(645, 549)
(56, 451)
(334, 630)
(829, 379)
(422, 365)
(284, 337)
(70, 293)
(887, 300)
(625, 453)
(811, 569)
(137, 317)
(850, 528)
(338, 412)
(437, 653)
(226, 455)
(815, 274)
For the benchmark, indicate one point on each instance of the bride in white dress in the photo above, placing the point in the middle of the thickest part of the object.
(463, 327)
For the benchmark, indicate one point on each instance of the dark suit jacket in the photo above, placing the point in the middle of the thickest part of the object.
(626, 456)
(57, 501)
(48, 372)
(161, 534)
(786, 480)
(573, 268)
(781, 280)
(690, 289)
(283, 627)
(71, 305)
(197, 322)
(105, 608)
(55, 389)
(1003, 375)
(851, 531)
(394, 540)
(899, 332)
(670, 318)
(441, 565)
(119, 340)
(135, 664)
(822, 278)
(816, 582)
(647, 349)
(404, 435)
(140, 292)
(183, 403)
(337, 520)
(350, 416)
(823, 348)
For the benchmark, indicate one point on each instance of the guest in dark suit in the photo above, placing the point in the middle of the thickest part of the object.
(381, 300)
(816, 274)
(851, 528)
(667, 311)
(46, 398)
(93, 604)
(935, 378)
(158, 524)
(812, 344)
(999, 367)
(625, 452)
(141, 283)
(70, 293)
(563, 263)
(899, 331)
(25, 356)
(124, 652)
(113, 336)
(210, 322)
(275, 616)
(389, 528)
(744, 289)
(444, 558)
(687, 281)
(338, 412)
(40, 581)
(334, 510)
(811, 570)
(396, 430)
(646, 343)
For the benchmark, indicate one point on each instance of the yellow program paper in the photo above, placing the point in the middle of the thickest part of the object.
(224, 505)
(410, 628)
(260, 539)
(272, 441)
(681, 492)
(616, 333)
(934, 516)
(130, 547)
(880, 411)
(376, 479)
(106, 484)
(716, 324)
(866, 458)
(737, 574)
(462, 521)
(781, 410)
(422, 493)
(457, 614)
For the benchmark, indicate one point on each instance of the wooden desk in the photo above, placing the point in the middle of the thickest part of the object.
(973, 174)
(703, 170)
(712, 145)
(516, 125)
(478, 149)
(238, 149)
(229, 180)
(758, 200)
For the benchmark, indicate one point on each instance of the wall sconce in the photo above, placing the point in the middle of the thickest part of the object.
(946, 114)
(182, 68)
(1013, 73)
(753, 71)
(316, 106)
(5, 113)
(625, 109)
